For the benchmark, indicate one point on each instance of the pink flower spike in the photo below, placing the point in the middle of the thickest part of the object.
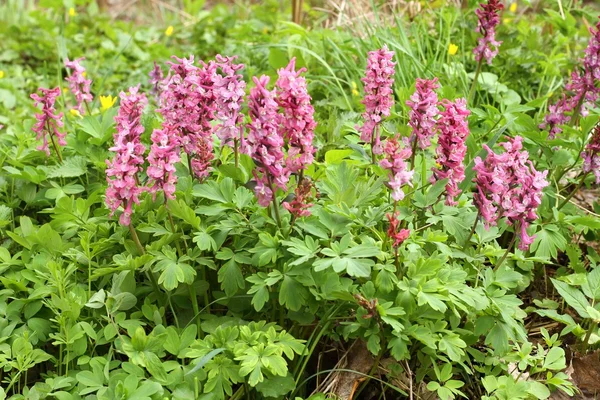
(298, 122)
(395, 161)
(300, 205)
(229, 91)
(509, 186)
(423, 111)
(78, 84)
(378, 101)
(164, 154)
(451, 150)
(265, 141)
(48, 121)
(489, 18)
(397, 235)
(591, 155)
(156, 77)
(121, 174)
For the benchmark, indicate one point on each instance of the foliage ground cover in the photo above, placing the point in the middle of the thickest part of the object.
(236, 206)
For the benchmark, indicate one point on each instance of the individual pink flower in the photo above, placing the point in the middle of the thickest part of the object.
(300, 205)
(489, 18)
(397, 235)
(557, 116)
(591, 155)
(265, 141)
(508, 185)
(156, 77)
(78, 84)
(451, 150)
(378, 101)
(423, 111)
(297, 121)
(229, 89)
(396, 155)
(49, 121)
(121, 174)
(164, 154)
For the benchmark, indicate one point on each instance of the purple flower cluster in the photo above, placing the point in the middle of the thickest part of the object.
(265, 141)
(156, 77)
(298, 122)
(394, 232)
(78, 84)
(187, 104)
(378, 102)
(229, 89)
(591, 155)
(123, 185)
(508, 185)
(423, 111)
(395, 161)
(451, 150)
(489, 18)
(48, 121)
(164, 154)
(299, 206)
(582, 92)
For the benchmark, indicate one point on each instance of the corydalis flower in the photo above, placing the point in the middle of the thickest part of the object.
(591, 155)
(265, 142)
(582, 91)
(451, 150)
(121, 174)
(397, 235)
(489, 18)
(229, 90)
(299, 206)
(378, 102)
(395, 161)
(164, 154)
(156, 77)
(78, 84)
(48, 121)
(188, 106)
(298, 120)
(508, 185)
(423, 111)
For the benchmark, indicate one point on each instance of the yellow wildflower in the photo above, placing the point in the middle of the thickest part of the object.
(65, 90)
(72, 12)
(169, 30)
(265, 30)
(506, 21)
(513, 7)
(354, 89)
(1, 74)
(84, 74)
(75, 112)
(452, 49)
(107, 102)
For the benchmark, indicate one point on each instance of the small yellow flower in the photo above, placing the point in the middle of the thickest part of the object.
(169, 30)
(513, 7)
(265, 30)
(107, 102)
(72, 12)
(65, 90)
(1, 74)
(75, 112)
(506, 21)
(452, 49)
(84, 74)
(354, 89)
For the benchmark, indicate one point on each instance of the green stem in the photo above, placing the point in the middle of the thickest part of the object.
(579, 185)
(373, 138)
(586, 339)
(136, 239)
(414, 152)
(472, 229)
(236, 154)
(474, 84)
(510, 245)
(206, 300)
(196, 309)
(54, 144)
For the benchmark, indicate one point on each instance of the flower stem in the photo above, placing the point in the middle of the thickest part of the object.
(236, 154)
(150, 274)
(413, 153)
(136, 239)
(579, 185)
(586, 339)
(54, 143)
(373, 137)
(472, 229)
(474, 84)
(510, 245)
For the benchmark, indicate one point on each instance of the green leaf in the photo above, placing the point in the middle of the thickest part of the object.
(276, 386)
(555, 359)
(453, 346)
(231, 278)
(591, 286)
(70, 168)
(573, 297)
(292, 293)
(336, 156)
(538, 389)
(548, 241)
(184, 212)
